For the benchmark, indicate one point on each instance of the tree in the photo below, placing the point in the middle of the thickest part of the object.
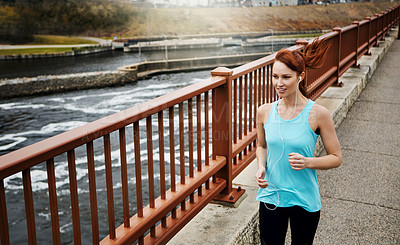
(8, 22)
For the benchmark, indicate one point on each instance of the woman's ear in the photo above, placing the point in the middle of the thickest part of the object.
(301, 76)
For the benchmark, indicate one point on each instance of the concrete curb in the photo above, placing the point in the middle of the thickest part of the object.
(217, 224)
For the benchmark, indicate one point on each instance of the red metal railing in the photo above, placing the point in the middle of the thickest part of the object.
(177, 126)
(348, 44)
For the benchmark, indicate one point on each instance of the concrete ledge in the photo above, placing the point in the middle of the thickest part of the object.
(217, 224)
(55, 84)
(82, 51)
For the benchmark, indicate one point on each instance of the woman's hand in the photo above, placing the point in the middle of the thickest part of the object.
(260, 175)
(297, 161)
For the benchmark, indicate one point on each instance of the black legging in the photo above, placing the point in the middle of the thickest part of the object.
(274, 224)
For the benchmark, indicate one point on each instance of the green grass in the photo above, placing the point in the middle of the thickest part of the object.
(47, 40)
(61, 40)
(34, 51)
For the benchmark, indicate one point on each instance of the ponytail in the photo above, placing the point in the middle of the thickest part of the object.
(312, 56)
(314, 53)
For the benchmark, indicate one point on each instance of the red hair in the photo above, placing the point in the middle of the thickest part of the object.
(312, 56)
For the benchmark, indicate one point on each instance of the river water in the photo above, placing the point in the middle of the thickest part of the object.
(24, 121)
(106, 61)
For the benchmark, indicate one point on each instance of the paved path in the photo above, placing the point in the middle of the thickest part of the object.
(361, 199)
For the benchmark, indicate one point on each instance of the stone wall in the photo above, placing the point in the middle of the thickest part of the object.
(55, 84)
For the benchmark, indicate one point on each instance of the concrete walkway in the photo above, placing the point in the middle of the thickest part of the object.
(361, 199)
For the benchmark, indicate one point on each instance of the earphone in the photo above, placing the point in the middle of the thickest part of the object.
(283, 147)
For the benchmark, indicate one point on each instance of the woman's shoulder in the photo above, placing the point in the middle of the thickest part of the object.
(265, 108)
(321, 112)
(263, 111)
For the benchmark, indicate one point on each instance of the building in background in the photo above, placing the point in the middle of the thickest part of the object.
(218, 3)
(231, 3)
(270, 3)
(194, 3)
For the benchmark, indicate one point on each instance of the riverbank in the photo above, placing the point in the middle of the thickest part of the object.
(39, 52)
(190, 21)
(49, 46)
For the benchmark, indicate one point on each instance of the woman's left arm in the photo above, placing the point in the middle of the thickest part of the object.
(333, 157)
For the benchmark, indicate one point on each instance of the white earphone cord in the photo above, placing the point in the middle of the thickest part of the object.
(283, 150)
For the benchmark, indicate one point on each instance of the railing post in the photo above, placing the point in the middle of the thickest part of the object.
(222, 133)
(357, 23)
(398, 33)
(4, 232)
(369, 35)
(377, 30)
(384, 25)
(390, 17)
(397, 11)
(337, 83)
(397, 16)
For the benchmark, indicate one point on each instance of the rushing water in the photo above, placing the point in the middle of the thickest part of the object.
(29, 120)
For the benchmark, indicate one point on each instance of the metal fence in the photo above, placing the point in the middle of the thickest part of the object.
(171, 138)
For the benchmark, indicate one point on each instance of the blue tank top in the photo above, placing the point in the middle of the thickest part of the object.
(295, 188)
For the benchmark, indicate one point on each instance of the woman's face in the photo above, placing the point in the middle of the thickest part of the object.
(284, 79)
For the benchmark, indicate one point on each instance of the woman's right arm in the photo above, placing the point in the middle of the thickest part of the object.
(261, 151)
